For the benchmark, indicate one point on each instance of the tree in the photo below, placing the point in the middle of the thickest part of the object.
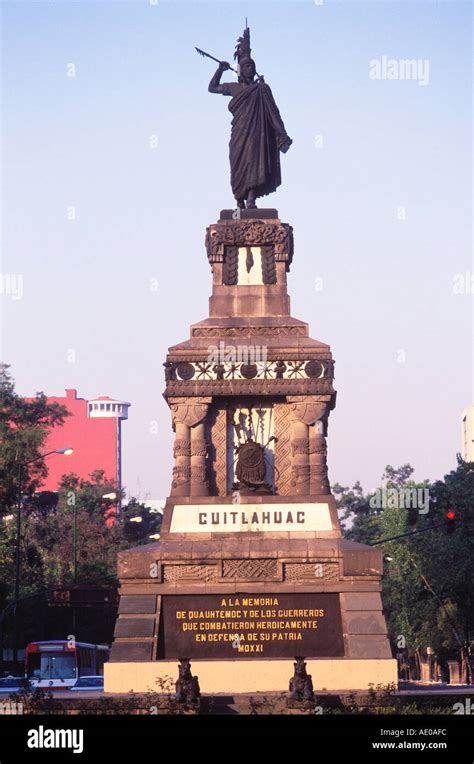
(138, 533)
(24, 426)
(79, 508)
(428, 586)
(48, 539)
(359, 519)
(449, 565)
(399, 476)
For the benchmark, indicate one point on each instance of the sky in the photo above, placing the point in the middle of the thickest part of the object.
(115, 159)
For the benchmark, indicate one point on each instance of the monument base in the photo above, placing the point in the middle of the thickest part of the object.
(338, 675)
(263, 596)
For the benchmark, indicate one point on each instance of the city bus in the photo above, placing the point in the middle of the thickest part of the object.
(58, 664)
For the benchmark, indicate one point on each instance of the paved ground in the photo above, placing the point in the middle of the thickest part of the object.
(66, 694)
(434, 688)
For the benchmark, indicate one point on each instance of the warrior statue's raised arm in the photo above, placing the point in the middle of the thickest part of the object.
(258, 133)
(214, 85)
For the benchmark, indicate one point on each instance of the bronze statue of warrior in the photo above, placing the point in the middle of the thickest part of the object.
(258, 133)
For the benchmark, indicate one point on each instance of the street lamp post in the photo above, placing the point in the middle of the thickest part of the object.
(21, 465)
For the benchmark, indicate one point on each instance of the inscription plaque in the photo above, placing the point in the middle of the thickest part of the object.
(245, 518)
(251, 626)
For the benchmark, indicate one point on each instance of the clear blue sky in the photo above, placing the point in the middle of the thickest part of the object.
(141, 213)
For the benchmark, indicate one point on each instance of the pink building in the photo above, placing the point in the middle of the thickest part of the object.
(94, 432)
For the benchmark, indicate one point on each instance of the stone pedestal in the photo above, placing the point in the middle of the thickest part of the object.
(250, 572)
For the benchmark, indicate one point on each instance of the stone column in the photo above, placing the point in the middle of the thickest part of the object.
(318, 460)
(308, 445)
(300, 453)
(182, 467)
(199, 484)
(189, 471)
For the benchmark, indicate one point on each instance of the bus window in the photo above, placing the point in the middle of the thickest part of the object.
(102, 656)
(84, 661)
(58, 666)
(33, 666)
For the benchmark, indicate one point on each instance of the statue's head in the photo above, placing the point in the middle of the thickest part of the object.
(184, 668)
(246, 70)
(300, 667)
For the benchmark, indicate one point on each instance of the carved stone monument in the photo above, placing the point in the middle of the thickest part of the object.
(251, 569)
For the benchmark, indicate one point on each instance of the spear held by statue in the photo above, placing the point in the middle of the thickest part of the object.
(208, 55)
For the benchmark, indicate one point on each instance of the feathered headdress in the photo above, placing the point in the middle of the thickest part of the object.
(243, 52)
(243, 49)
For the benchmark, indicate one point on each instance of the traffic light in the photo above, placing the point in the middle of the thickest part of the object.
(450, 521)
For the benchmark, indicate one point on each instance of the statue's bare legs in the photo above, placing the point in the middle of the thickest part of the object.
(251, 199)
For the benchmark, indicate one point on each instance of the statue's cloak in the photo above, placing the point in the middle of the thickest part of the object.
(257, 135)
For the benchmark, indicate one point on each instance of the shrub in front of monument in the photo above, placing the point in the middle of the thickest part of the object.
(153, 702)
(104, 706)
(268, 705)
(415, 708)
(165, 699)
(37, 701)
(381, 695)
(381, 700)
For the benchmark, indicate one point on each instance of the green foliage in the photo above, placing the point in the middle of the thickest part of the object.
(136, 533)
(355, 509)
(48, 534)
(428, 586)
(24, 426)
(399, 476)
(47, 541)
(384, 699)
(37, 701)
